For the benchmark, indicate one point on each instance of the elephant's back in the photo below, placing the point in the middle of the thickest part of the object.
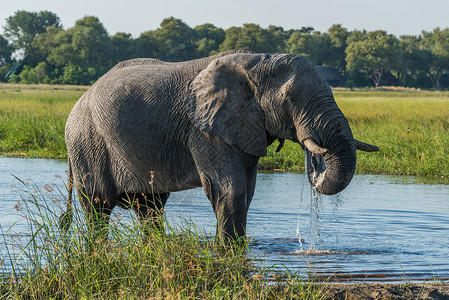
(141, 88)
(144, 66)
(138, 61)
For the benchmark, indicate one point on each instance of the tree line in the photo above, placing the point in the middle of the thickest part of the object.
(42, 51)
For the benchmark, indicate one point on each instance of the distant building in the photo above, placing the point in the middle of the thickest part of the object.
(444, 80)
(331, 75)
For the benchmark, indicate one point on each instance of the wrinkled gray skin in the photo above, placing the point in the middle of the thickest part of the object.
(203, 123)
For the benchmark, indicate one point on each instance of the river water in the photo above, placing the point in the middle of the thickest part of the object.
(380, 228)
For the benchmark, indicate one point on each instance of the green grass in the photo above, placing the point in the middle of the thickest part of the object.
(410, 127)
(180, 263)
(32, 119)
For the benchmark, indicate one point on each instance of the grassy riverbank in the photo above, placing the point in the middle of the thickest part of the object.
(410, 127)
(182, 263)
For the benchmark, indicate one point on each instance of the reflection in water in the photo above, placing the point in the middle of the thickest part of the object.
(379, 228)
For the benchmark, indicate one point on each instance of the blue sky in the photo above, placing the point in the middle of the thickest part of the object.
(136, 16)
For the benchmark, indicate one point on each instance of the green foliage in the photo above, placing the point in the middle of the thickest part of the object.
(254, 38)
(209, 39)
(338, 36)
(175, 40)
(81, 54)
(86, 45)
(374, 53)
(123, 46)
(3, 71)
(6, 51)
(27, 75)
(91, 42)
(147, 45)
(317, 47)
(326, 49)
(436, 46)
(357, 79)
(23, 27)
(444, 81)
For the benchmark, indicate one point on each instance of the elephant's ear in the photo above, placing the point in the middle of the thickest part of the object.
(223, 103)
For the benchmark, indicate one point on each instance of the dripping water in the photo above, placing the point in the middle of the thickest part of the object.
(315, 167)
(316, 204)
(298, 225)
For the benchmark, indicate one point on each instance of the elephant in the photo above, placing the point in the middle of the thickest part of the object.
(148, 128)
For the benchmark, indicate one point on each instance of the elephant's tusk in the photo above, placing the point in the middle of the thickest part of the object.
(365, 147)
(314, 148)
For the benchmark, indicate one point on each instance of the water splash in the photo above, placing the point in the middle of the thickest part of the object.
(336, 201)
(316, 205)
(315, 167)
(298, 226)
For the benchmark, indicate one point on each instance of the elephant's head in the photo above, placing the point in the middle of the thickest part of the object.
(247, 100)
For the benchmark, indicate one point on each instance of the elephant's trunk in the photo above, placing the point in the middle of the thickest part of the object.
(331, 162)
(334, 175)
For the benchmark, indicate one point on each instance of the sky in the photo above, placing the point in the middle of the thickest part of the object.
(398, 17)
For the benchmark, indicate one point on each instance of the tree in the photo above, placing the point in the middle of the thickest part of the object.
(77, 55)
(374, 53)
(320, 48)
(147, 45)
(435, 45)
(23, 27)
(414, 59)
(255, 38)
(91, 41)
(123, 46)
(278, 38)
(230, 41)
(317, 47)
(176, 39)
(209, 39)
(87, 45)
(338, 36)
(252, 37)
(6, 51)
(45, 43)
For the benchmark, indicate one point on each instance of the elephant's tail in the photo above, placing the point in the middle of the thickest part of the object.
(65, 220)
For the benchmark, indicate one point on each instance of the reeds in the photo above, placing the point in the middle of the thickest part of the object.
(181, 262)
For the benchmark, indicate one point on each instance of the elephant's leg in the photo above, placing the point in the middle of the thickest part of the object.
(231, 207)
(92, 175)
(228, 179)
(97, 210)
(251, 184)
(149, 209)
(98, 198)
(229, 204)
